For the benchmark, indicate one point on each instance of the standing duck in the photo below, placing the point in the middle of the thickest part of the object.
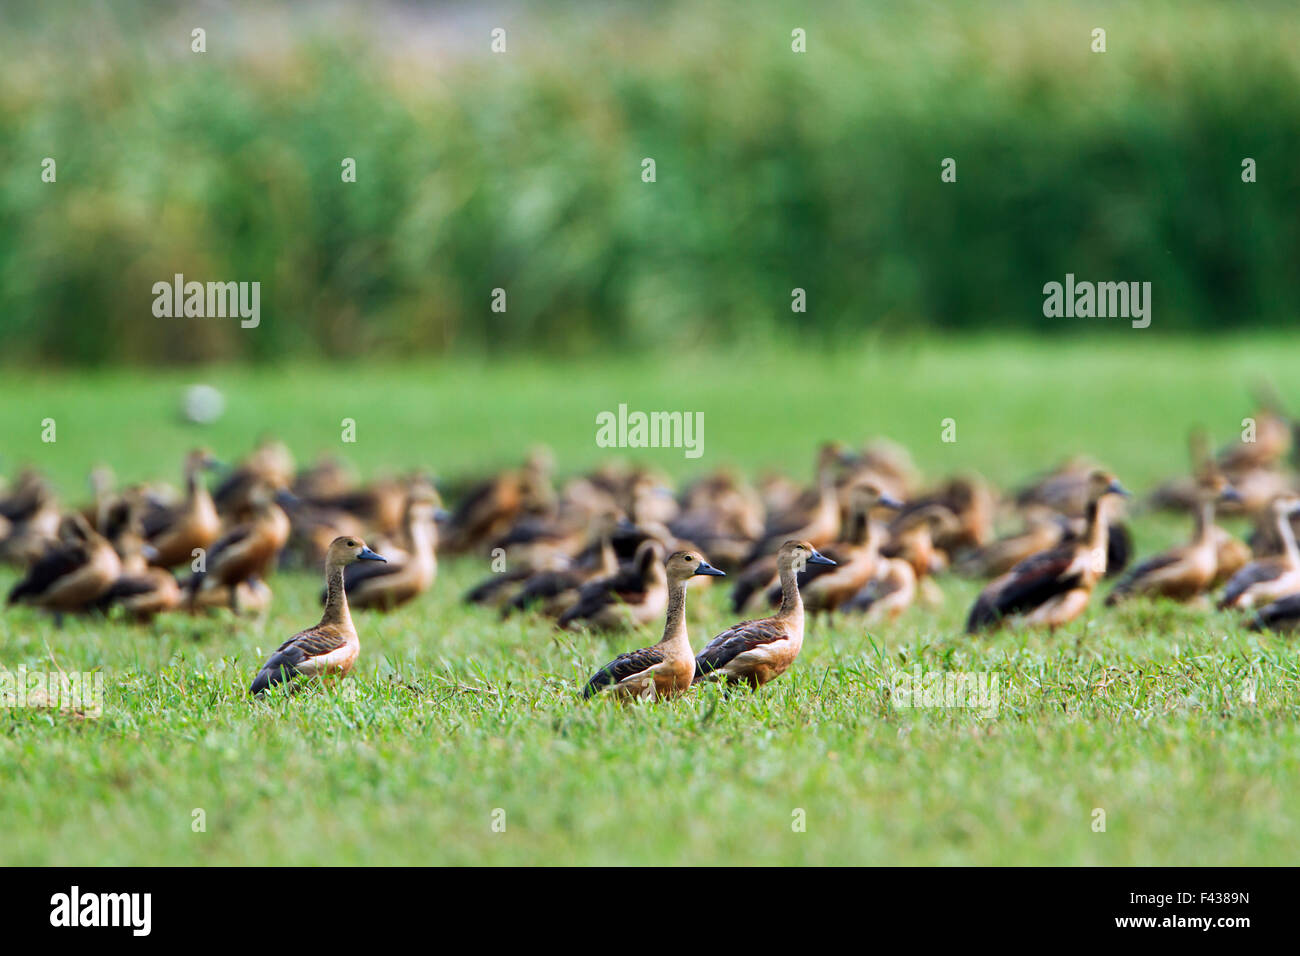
(1184, 572)
(72, 574)
(331, 647)
(755, 652)
(824, 587)
(1052, 587)
(1275, 576)
(668, 668)
(388, 585)
(247, 551)
(173, 534)
(896, 580)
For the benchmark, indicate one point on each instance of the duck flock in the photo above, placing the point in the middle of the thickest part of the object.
(616, 548)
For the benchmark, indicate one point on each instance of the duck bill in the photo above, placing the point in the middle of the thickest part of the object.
(1230, 495)
(706, 568)
(818, 558)
(1115, 488)
(441, 515)
(368, 555)
(889, 501)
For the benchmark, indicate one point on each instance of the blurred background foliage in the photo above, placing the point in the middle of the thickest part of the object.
(523, 171)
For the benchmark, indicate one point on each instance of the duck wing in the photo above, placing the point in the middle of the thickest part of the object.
(1254, 573)
(1282, 612)
(487, 589)
(621, 668)
(735, 641)
(626, 586)
(289, 656)
(1128, 583)
(54, 564)
(1029, 584)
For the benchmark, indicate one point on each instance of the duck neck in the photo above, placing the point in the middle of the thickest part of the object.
(1205, 522)
(424, 539)
(675, 624)
(1289, 547)
(791, 602)
(859, 529)
(1099, 523)
(193, 484)
(336, 597)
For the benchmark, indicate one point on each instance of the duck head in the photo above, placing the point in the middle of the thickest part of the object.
(1218, 488)
(1102, 483)
(686, 564)
(797, 554)
(866, 495)
(348, 549)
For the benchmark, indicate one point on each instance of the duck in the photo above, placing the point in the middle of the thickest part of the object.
(172, 535)
(556, 585)
(31, 515)
(885, 464)
(756, 652)
(1183, 572)
(489, 509)
(824, 588)
(1273, 437)
(270, 465)
(631, 597)
(890, 592)
(312, 528)
(141, 591)
(247, 551)
(380, 505)
(1043, 529)
(327, 477)
(814, 517)
(1272, 577)
(970, 500)
(666, 669)
(1282, 616)
(1053, 587)
(1065, 489)
(384, 586)
(912, 538)
(895, 580)
(73, 574)
(252, 597)
(331, 647)
(723, 514)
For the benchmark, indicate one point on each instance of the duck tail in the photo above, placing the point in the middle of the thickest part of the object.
(983, 615)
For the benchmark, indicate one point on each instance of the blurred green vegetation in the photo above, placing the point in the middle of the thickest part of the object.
(522, 171)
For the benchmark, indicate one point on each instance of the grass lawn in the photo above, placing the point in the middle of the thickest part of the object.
(1145, 712)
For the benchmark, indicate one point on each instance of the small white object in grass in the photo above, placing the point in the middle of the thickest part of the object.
(203, 404)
